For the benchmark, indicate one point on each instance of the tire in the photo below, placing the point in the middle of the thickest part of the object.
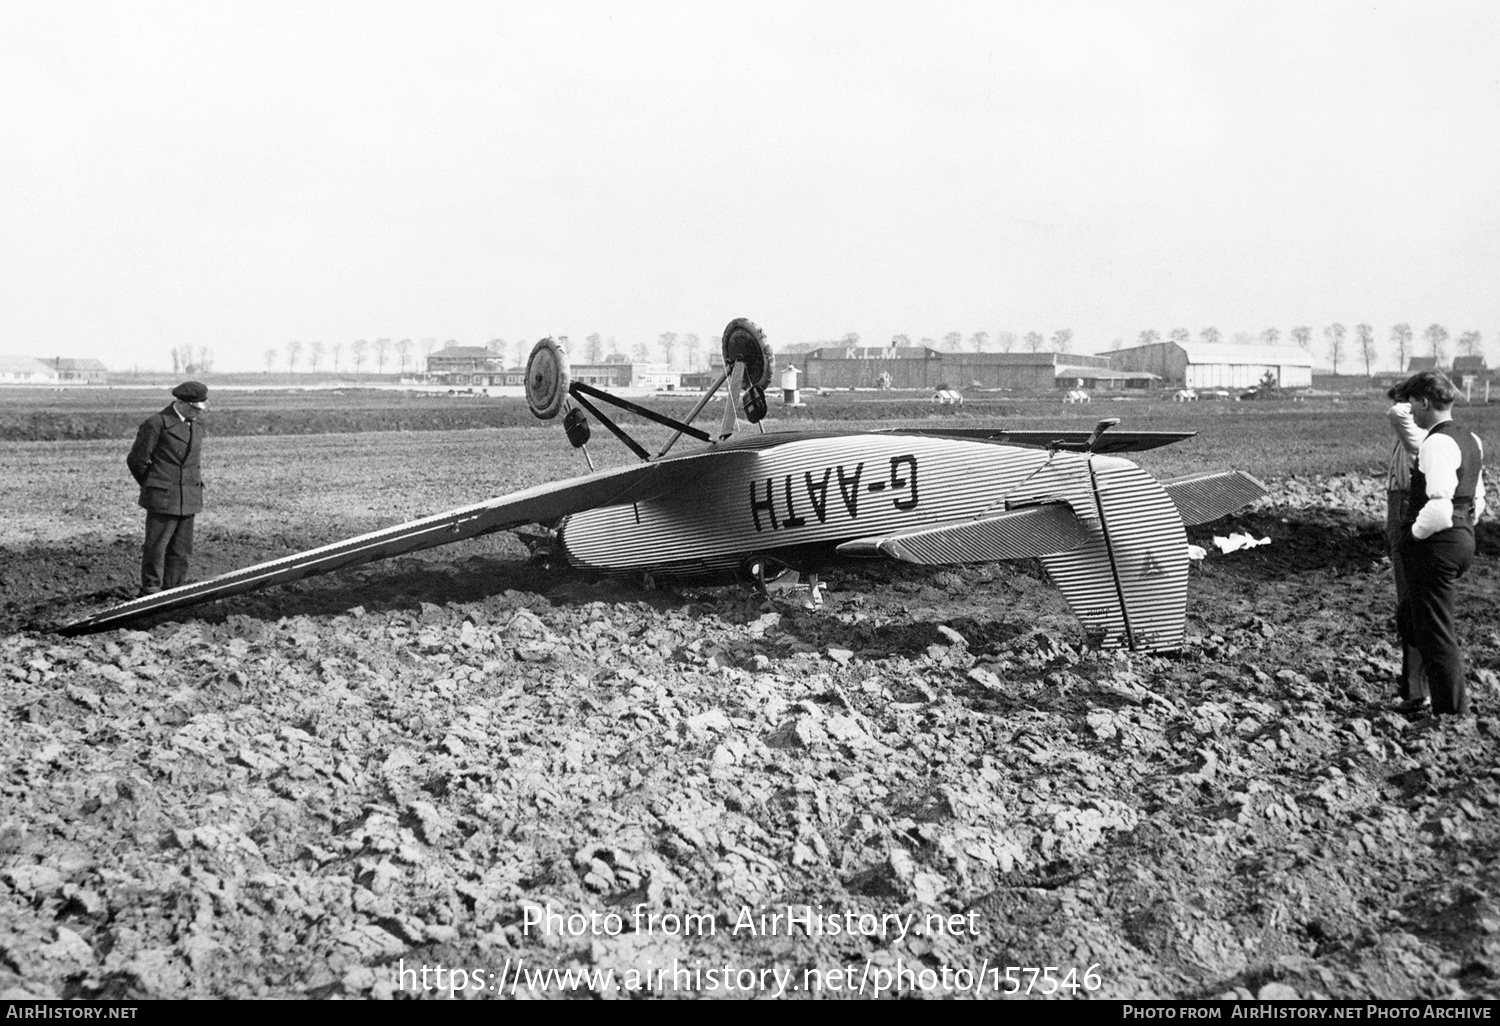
(745, 343)
(547, 379)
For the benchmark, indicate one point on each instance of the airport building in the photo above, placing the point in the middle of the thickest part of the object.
(1466, 371)
(26, 370)
(872, 367)
(52, 370)
(657, 376)
(1217, 365)
(480, 367)
(1469, 370)
(75, 371)
(1036, 372)
(600, 375)
(468, 366)
(921, 367)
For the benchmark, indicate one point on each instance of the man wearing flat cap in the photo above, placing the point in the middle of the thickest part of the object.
(165, 462)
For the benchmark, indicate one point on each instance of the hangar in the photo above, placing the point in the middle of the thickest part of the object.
(1039, 372)
(76, 370)
(1094, 377)
(872, 367)
(26, 369)
(923, 367)
(1217, 365)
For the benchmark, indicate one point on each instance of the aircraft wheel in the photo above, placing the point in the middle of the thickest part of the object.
(745, 343)
(763, 570)
(546, 379)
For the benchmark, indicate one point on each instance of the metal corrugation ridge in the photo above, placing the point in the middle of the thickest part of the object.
(813, 490)
(1020, 534)
(1202, 498)
(1128, 586)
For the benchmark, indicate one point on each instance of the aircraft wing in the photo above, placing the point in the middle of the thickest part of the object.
(1016, 534)
(639, 483)
(1072, 441)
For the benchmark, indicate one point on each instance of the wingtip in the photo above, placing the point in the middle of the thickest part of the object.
(122, 614)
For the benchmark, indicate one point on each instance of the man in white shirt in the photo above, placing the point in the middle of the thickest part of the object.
(1437, 544)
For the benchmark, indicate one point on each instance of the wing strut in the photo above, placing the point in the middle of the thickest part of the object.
(614, 428)
(550, 391)
(577, 389)
(697, 409)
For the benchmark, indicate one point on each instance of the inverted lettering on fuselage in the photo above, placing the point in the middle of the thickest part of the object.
(786, 502)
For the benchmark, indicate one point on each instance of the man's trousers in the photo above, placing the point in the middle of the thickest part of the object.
(1433, 566)
(1412, 685)
(169, 547)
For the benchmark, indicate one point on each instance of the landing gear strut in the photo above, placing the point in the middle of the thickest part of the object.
(770, 580)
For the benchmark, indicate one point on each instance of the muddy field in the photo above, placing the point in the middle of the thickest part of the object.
(320, 790)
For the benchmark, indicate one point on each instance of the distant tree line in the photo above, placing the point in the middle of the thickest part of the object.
(403, 355)
(689, 351)
(399, 354)
(188, 359)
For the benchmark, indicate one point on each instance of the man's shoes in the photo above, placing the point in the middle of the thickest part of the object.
(1427, 723)
(1410, 706)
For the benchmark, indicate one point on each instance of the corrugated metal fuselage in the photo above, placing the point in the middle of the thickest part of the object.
(800, 498)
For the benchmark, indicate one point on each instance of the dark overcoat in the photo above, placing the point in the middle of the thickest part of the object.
(165, 462)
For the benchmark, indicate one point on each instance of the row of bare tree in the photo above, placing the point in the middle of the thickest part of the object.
(1435, 337)
(689, 349)
(187, 359)
(363, 354)
(1362, 347)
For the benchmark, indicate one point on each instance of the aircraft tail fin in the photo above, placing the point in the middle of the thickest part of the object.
(1128, 583)
(1109, 535)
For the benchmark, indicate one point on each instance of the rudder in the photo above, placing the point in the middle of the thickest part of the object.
(1128, 583)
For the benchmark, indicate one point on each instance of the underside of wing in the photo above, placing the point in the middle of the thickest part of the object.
(639, 483)
(1202, 498)
(1070, 441)
(1017, 534)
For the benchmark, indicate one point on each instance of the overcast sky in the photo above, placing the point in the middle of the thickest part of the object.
(239, 175)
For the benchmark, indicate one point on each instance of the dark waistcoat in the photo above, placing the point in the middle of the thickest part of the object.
(1468, 478)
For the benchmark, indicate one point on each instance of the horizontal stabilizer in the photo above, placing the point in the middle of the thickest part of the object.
(639, 483)
(1017, 534)
(1206, 497)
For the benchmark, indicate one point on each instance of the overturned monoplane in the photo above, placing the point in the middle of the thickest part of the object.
(756, 505)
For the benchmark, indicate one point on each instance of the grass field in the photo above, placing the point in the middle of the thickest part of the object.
(291, 792)
(1269, 439)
